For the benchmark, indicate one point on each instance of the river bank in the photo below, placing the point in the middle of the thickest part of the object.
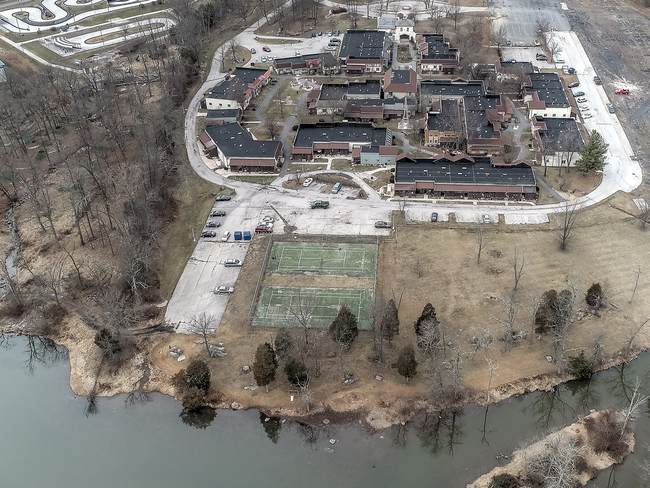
(377, 404)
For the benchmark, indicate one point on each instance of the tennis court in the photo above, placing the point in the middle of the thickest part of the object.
(278, 306)
(354, 260)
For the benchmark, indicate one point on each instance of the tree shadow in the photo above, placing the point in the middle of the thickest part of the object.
(43, 351)
(272, 427)
(199, 418)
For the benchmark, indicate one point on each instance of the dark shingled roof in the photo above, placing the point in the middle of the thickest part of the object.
(463, 172)
(437, 48)
(226, 113)
(308, 134)
(561, 135)
(364, 44)
(236, 142)
(369, 87)
(451, 89)
(549, 89)
(447, 118)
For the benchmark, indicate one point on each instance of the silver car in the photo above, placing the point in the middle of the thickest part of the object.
(225, 236)
(224, 289)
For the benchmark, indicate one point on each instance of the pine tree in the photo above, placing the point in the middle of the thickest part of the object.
(296, 372)
(427, 329)
(390, 321)
(344, 327)
(592, 154)
(406, 364)
(198, 375)
(580, 366)
(264, 365)
(594, 297)
(283, 343)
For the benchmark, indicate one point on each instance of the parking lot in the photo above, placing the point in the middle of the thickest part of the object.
(520, 18)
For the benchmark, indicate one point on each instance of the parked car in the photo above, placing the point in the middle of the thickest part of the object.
(307, 182)
(269, 58)
(266, 49)
(486, 219)
(253, 51)
(434, 217)
(575, 84)
(268, 220)
(508, 42)
(319, 204)
(337, 32)
(611, 109)
(329, 33)
(537, 43)
(587, 116)
(330, 48)
(297, 53)
(208, 233)
(334, 39)
(406, 7)
(217, 213)
(225, 236)
(264, 59)
(597, 80)
(540, 57)
(382, 224)
(232, 263)
(222, 198)
(336, 188)
(320, 34)
(623, 91)
(224, 289)
(581, 100)
(212, 223)
(583, 107)
(578, 94)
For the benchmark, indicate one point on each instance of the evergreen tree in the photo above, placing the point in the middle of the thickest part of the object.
(390, 321)
(592, 154)
(296, 372)
(265, 365)
(427, 329)
(283, 343)
(546, 315)
(406, 364)
(594, 297)
(193, 398)
(580, 366)
(344, 327)
(198, 375)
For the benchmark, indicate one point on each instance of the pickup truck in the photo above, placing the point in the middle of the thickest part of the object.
(260, 229)
(319, 204)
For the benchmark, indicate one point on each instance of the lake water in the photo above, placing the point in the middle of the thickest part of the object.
(51, 439)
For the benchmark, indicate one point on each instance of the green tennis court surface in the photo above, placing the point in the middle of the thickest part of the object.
(276, 305)
(354, 260)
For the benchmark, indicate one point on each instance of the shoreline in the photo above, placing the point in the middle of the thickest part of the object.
(376, 410)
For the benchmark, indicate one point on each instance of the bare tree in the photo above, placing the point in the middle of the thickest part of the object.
(500, 36)
(480, 241)
(563, 309)
(204, 326)
(518, 263)
(644, 216)
(634, 332)
(636, 401)
(542, 26)
(554, 48)
(492, 366)
(455, 12)
(557, 464)
(300, 313)
(636, 280)
(52, 279)
(272, 127)
(567, 218)
(510, 309)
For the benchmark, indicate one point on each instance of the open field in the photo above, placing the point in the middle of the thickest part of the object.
(338, 259)
(273, 309)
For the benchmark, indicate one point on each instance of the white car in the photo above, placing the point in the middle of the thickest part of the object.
(268, 219)
(264, 59)
(587, 116)
(224, 289)
(581, 100)
(269, 58)
(406, 7)
(486, 219)
(297, 53)
(330, 48)
(307, 182)
(583, 107)
(225, 236)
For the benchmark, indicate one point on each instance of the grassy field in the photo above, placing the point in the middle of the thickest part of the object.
(283, 112)
(352, 260)
(259, 179)
(275, 303)
(195, 198)
(240, 53)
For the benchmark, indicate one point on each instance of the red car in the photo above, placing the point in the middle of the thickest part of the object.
(623, 92)
(266, 49)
